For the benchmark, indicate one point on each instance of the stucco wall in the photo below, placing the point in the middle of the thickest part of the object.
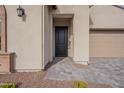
(47, 36)
(80, 29)
(24, 37)
(106, 16)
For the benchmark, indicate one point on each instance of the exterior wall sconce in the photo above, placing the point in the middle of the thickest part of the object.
(90, 6)
(20, 11)
(54, 7)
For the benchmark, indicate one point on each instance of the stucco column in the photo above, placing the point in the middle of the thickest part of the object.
(81, 35)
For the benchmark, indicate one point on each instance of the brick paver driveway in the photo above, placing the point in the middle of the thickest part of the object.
(101, 70)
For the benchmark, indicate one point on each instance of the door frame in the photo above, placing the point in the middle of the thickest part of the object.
(67, 39)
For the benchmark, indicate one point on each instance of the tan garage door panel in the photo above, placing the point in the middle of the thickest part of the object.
(106, 43)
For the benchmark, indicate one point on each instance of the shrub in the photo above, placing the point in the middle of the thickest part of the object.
(80, 84)
(7, 85)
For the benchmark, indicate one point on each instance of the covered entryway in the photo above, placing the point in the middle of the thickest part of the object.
(107, 43)
(62, 35)
(61, 41)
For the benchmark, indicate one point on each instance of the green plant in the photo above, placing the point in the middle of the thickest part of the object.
(80, 84)
(7, 85)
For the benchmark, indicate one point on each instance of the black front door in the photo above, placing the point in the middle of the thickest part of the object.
(61, 41)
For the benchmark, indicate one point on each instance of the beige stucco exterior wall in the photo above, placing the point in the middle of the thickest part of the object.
(80, 30)
(31, 40)
(24, 37)
(47, 36)
(106, 16)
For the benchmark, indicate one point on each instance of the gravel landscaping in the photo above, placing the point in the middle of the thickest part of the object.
(33, 80)
(36, 80)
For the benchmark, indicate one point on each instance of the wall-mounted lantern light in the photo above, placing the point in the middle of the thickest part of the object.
(54, 7)
(20, 11)
(90, 6)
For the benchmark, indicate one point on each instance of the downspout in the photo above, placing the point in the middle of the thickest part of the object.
(42, 37)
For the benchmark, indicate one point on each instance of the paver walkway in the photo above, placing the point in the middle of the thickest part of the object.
(101, 70)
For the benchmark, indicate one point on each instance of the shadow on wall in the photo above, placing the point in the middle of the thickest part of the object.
(24, 18)
(13, 62)
(90, 22)
(90, 18)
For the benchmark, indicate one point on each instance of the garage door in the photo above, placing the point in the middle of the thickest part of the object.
(106, 43)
